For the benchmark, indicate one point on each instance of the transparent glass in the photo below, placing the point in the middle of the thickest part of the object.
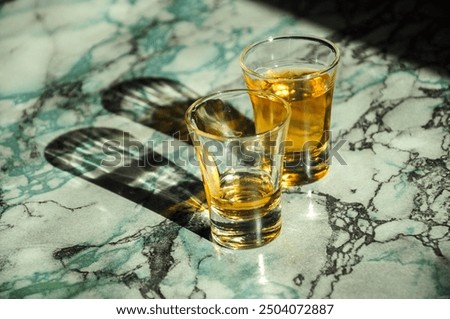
(302, 70)
(239, 137)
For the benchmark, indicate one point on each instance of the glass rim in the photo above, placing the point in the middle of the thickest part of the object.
(314, 38)
(198, 102)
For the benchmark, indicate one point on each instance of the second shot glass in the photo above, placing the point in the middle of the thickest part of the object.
(301, 69)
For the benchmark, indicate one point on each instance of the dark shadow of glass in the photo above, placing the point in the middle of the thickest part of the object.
(114, 160)
(102, 157)
(160, 104)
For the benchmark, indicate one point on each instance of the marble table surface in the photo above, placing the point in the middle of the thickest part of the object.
(86, 83)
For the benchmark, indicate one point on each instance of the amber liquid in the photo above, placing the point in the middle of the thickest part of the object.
(308, 138)
(246, 212)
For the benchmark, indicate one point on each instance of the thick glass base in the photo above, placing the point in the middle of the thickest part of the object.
(303, 175)
(247, 234)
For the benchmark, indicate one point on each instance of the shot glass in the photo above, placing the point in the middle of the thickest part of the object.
(302, 70)
(241, 165)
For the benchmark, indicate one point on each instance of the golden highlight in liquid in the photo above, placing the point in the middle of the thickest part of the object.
(246, 213)
(307, 143)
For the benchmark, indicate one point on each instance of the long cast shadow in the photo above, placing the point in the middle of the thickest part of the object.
(109, 157)
(102, 157)
(160, 103)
